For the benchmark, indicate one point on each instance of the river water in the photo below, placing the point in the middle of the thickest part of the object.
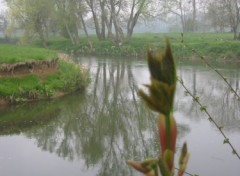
(96, 131)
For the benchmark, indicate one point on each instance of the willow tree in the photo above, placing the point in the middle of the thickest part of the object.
(67, 19)
(31, 16)
(217, 16)
(233, 15)
(3, 24)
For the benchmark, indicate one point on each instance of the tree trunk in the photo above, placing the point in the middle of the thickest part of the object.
(109, 27)
(182, 18)
(237, 8)
(42, 37)
(194, 16)
(132, 21)
(234, 16)
(39, 28)
(103, 18)
(70, 34)
(96, 23)
(183, 24)
(235, 36)
(118, 30)
(85, 31)
(95, 19)
(44, 42)
(129, 23)
(76, 36)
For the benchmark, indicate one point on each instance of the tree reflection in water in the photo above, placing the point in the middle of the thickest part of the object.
(105, 126)
(108, 124)
(213, 93)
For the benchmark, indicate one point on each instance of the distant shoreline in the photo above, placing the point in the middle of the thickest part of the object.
(218, 47)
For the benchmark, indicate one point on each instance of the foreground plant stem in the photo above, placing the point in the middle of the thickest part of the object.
(160, 98)
(168, 131)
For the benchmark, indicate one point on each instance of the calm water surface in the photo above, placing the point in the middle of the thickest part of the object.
(95, 132)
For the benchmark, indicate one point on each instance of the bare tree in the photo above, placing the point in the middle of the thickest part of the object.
(225, 13)
(118, 16)
(186, 10)
(68, 20)
(33, 16)
(217, 15)
(178, 8)
(95, 9)
(194, 19)
(233, 9)
(115, 8)
(137, 6)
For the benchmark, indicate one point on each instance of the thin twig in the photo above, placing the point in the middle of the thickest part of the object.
(210, 118)
(210, 66)
(188, 173)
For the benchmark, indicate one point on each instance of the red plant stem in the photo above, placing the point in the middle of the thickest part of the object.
(168, 131)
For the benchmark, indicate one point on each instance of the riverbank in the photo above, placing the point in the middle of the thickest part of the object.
(30, 74)
(214, 46)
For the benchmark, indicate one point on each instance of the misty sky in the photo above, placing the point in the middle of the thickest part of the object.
(2, 5)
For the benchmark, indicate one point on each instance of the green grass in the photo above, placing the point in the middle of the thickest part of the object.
(13, 85)
(69, 78)
(212, 45)
(15, 53)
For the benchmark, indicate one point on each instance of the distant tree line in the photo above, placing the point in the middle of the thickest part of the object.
(203, 15)
(114, 20)
(111, 19)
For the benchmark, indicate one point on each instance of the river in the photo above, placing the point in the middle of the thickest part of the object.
(94, 132)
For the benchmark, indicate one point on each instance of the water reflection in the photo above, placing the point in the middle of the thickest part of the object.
(105, 126)
(16, 119)
(108, 124)
(209, 156)
(221, 102)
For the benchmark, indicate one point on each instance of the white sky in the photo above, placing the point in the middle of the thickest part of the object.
(2, 6)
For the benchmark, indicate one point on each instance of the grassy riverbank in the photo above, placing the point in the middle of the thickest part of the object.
(214, 46)
(28, 74)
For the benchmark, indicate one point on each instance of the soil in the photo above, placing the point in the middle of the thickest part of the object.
(40, 68)
(3, 102)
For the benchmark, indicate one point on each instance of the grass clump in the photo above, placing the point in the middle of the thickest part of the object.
(69, 77)
(37, 74)
(13, 85)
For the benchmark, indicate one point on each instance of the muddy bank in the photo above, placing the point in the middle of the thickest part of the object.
(24, 68)
(65, 79)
